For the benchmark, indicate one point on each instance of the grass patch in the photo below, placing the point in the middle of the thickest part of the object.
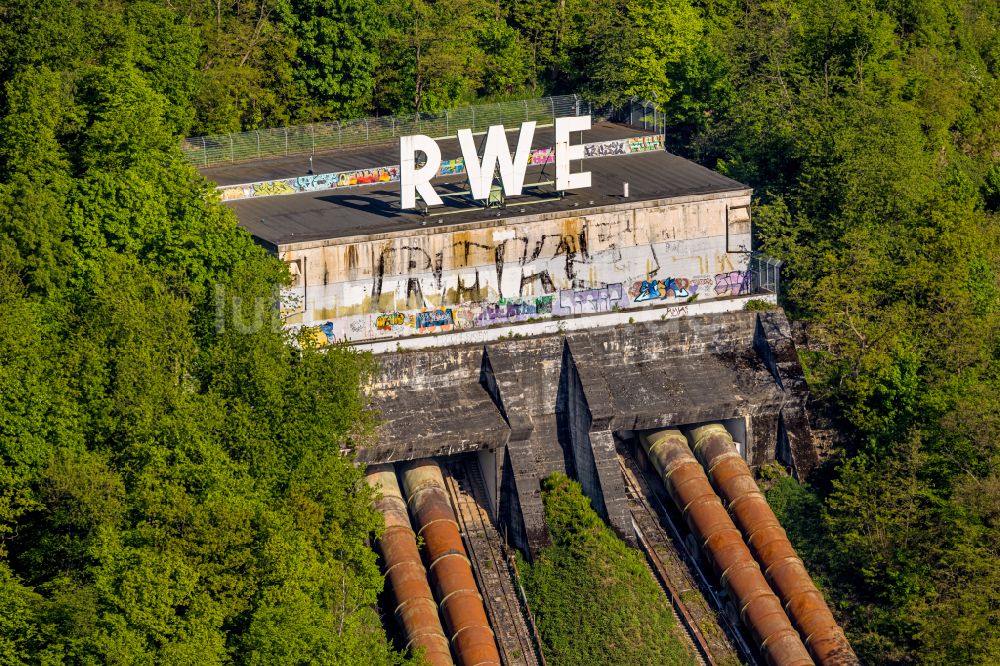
(594, 600)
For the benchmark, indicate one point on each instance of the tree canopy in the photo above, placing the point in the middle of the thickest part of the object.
(172, 483)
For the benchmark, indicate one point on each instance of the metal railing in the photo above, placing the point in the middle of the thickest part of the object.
(640, 114)
(207, 151)
(765, 274)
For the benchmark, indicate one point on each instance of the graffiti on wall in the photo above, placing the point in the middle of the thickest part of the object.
(321, 181)
(316, 183)
(452, 167)
(434, 320)
(423, 321)
(733, 283)
(609, 298)
(630, 146)
(645, 144)
(513, 310)
(272, 188)
(542, 156)
(363, 177)
(390, 321)
(606, 148)
(390, 174)
(659, 290)
(601, 299)
(476, 315)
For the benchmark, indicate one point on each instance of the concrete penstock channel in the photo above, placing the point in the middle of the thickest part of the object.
(784, 570)
(711, 638)
(759, 607)
(417, 613)
(511, 619)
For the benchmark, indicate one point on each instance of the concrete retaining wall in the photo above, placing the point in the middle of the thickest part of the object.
(439, 279)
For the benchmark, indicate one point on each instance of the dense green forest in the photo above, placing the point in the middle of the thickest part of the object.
(593, 598)
(171, 488)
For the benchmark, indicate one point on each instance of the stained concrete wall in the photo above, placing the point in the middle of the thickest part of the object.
(521, 267)
(551, 404)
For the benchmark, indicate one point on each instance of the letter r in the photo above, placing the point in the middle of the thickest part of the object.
(413, 180)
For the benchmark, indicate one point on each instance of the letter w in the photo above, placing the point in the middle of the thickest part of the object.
(496, 153)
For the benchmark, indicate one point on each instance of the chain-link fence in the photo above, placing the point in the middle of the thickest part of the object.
(640, 114)
(206, 151)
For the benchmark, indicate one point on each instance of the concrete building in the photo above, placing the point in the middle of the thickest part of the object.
(628, 295)
(366, 270)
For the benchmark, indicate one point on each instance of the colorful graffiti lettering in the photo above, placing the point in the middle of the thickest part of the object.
(645, 144)
(602, 299)
(652, 290)
(452, 167)
(605, 148)
(733, 283)
(542, 156)
(322, 181)
(272, 187)
(513, 310)
(434, 319)
(386, 322)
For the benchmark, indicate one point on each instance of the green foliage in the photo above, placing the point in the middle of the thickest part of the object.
(594, 599)
(758, 305)
(172, 483)
(337, 53)
(639, 56)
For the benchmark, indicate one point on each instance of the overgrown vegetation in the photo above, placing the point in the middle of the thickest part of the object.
(171, 484)
(594, 600)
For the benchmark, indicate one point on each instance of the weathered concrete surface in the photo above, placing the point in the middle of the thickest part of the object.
(523, 266)
(551, 403)
(432, 404)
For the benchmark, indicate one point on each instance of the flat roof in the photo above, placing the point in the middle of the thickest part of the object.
(374, 209)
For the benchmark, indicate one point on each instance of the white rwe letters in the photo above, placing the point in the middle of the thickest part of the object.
(496, 154)
(565, 152)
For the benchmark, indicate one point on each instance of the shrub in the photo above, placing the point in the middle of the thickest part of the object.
(594, 599)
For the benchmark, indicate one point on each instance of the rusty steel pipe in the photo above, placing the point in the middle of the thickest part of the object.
(759, 608)
(450, 570)
(783, 569)
(416, 610)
